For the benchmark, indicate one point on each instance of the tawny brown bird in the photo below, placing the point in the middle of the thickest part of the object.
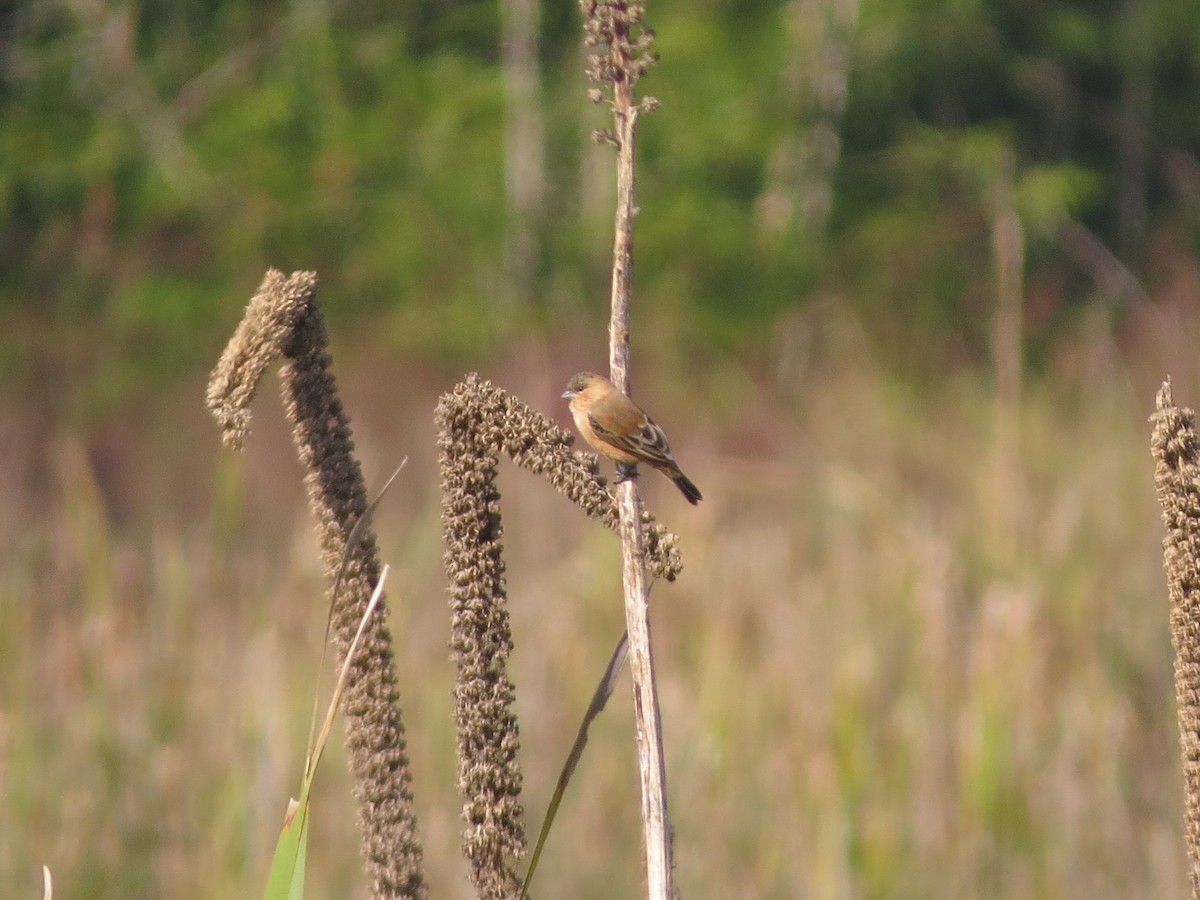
(615, 427)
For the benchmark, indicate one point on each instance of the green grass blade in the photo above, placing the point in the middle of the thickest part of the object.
(286, 878)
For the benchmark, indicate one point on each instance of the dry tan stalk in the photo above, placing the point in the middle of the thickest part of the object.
(615, 29)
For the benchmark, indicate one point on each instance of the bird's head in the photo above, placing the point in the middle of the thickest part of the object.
(580, 383)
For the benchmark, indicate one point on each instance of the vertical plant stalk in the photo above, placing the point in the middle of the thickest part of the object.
(615, 28)
(1176, 450)
(283, 319)
(477, 424)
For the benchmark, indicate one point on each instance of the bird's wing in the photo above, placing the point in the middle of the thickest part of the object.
(638, 436)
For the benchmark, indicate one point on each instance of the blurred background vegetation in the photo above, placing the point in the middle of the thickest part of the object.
(433, 163)
(908, 273)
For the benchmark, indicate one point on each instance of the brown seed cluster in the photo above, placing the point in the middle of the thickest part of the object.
(1176, 452)
(615, 31)
(267, 327)
(489, 776)
(477, 424)
(283, 319)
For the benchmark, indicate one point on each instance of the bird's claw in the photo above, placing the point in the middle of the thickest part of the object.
(625, 472)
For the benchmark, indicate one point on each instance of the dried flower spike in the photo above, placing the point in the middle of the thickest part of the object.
(1176, 451)
(283, 320)
(623, 45)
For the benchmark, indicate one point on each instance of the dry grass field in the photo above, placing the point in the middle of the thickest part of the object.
(919, 648)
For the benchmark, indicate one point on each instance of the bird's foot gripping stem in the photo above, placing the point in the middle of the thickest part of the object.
(626, 472)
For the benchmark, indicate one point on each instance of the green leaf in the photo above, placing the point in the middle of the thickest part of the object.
(286, 878)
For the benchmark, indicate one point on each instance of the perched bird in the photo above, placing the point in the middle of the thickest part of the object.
(616, 428)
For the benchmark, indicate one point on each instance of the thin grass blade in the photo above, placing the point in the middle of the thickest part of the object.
(285, 881)
(604, 690)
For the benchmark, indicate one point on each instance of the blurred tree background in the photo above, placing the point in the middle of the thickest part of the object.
(432, 161)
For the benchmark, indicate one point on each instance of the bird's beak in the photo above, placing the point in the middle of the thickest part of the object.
(568, 395)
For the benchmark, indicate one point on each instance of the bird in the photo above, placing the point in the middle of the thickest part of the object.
(617, 428)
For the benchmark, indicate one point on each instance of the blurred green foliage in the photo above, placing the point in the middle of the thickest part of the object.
(156, 158)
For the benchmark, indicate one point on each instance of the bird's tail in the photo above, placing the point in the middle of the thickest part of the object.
(685, 485)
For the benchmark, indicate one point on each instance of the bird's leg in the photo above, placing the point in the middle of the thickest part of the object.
(625, 472)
